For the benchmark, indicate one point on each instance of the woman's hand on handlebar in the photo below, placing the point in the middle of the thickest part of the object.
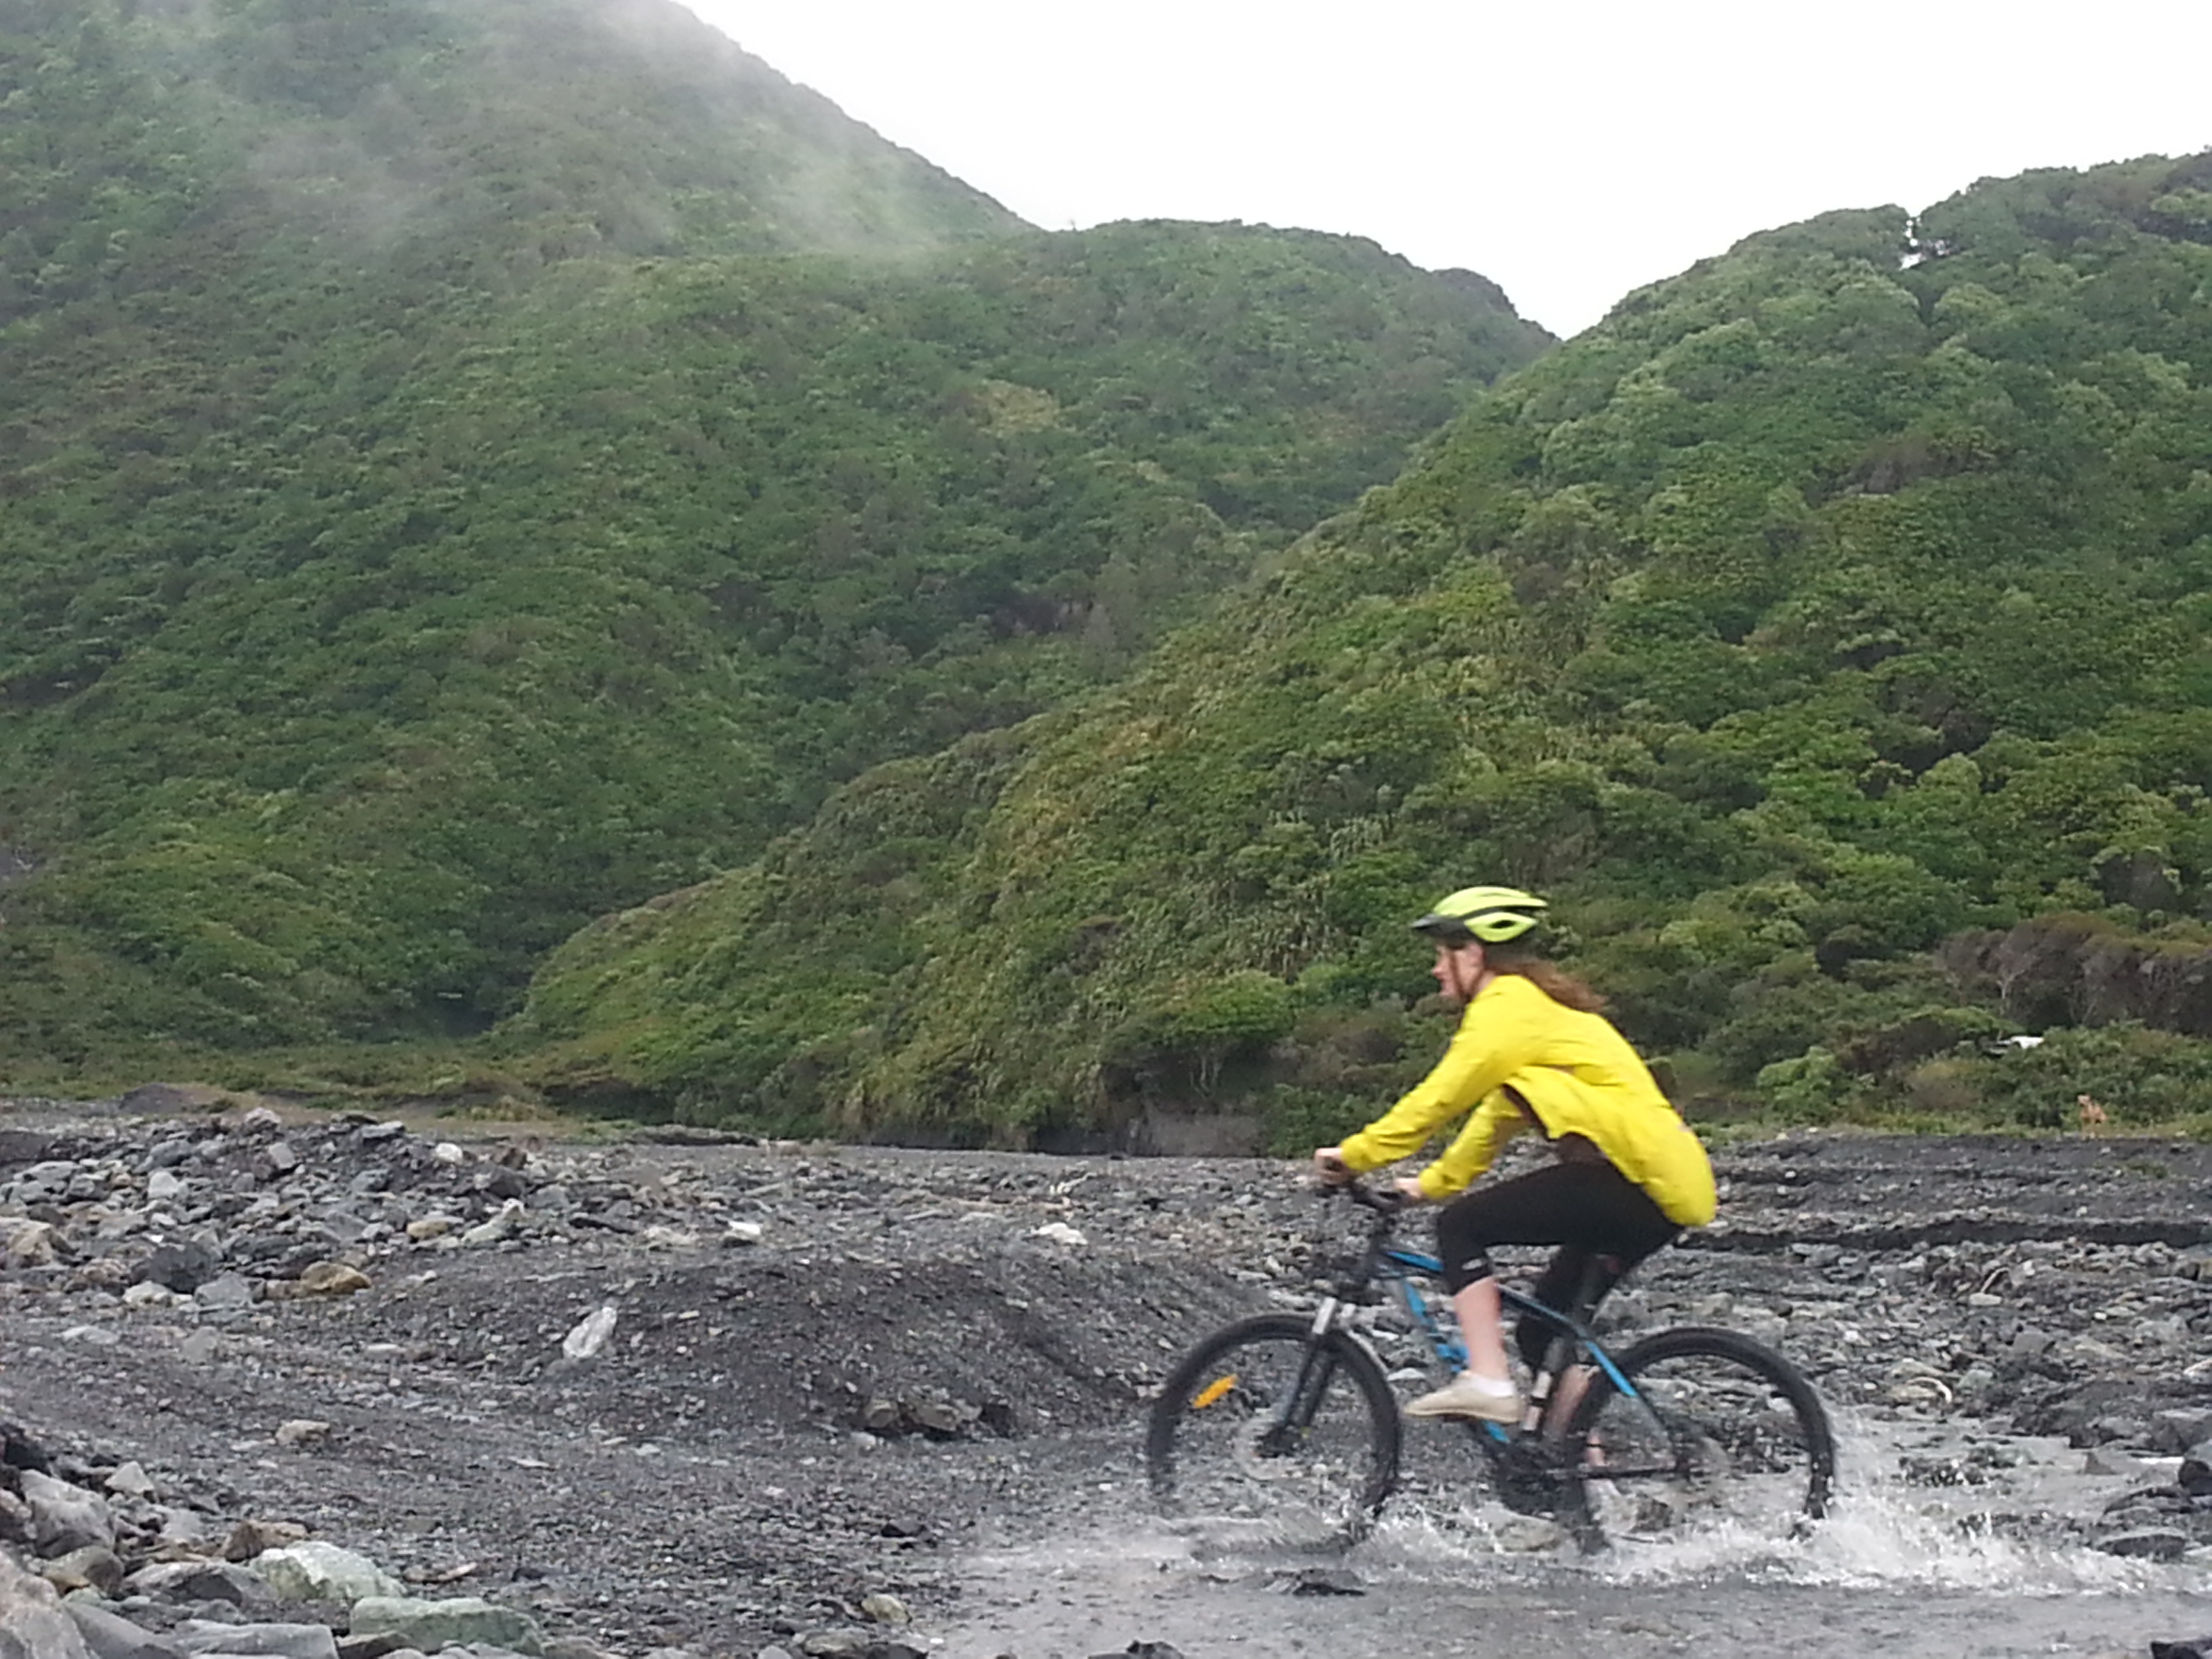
(1329, 1167)
(1408, 1188)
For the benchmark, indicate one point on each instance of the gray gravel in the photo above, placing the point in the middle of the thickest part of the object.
(723, 1397)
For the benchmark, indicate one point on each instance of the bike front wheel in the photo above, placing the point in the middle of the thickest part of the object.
(1715, 1435)
(1265, 1423)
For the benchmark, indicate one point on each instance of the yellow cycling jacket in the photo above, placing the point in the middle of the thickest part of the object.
(1576, 1076)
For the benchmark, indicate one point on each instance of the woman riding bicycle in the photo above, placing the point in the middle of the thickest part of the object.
(1532, 1051)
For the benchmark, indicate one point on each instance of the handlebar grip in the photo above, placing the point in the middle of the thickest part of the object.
(1383, 1200)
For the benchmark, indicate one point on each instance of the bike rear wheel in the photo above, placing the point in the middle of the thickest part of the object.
(1264, 1422)
(1721, 1437)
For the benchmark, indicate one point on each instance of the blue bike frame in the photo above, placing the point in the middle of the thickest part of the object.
(1406, 1265)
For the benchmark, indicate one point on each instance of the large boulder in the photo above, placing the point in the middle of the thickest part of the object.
(33, 1625)
(110, 1636)
(65, 1517)
(314, 1570)
(456, 1622)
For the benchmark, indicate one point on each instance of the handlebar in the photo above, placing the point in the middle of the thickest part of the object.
(1382, 1200)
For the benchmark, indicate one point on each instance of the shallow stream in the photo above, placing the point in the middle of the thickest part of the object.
(1945, 1542)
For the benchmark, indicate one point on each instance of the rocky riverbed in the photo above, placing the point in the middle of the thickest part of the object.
(707, 1397)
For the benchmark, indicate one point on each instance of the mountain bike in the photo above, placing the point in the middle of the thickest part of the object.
(1691, 1429)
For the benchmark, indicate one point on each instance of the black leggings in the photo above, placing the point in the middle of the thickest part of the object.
(1599, 1218)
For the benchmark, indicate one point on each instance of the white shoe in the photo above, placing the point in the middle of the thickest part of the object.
(1469, 1395)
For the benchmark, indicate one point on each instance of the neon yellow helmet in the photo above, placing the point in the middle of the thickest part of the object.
(1490, 915)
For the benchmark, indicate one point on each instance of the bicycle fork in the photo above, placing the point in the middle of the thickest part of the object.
(1316, 1369)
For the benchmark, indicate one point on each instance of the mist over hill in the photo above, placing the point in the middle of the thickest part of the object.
(468, 466)
(1829, 632)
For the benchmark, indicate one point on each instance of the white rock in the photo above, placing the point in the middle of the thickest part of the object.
(131, 1480)
(742, 1232)
(447, 1153)
(885, 1609)
(164, 1184)
(312, 1571)
(590, 1334)
(1061, 1233)
(499, 1226)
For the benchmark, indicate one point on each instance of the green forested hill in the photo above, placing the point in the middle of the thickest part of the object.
(225, 153)
(467, 466)
(1829, 632)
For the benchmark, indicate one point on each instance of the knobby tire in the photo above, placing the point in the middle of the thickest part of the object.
(1746, 1433)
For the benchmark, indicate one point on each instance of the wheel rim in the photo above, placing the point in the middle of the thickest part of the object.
(1237, 1458)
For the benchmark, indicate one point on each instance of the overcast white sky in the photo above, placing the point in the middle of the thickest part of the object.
(1572, 150)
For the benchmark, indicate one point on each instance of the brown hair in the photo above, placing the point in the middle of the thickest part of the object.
(1553, 981)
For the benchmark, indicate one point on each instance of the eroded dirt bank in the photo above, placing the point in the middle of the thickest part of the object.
(834, 1375)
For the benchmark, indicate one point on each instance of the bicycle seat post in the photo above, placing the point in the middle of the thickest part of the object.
(1559, 1351)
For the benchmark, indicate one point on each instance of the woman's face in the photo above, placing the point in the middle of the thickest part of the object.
(1458, 972)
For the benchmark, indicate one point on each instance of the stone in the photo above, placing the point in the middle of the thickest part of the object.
(500, 1226)
(191, 1583)
(376, 1644)
(130, 1480)
(742, 1232)
(266, 1641)
(226, 1292)
(26, 1243)
(2148, 1544)
(333, 1279)
(451, 1623)
(182, 1268)
(1324, 1581)
(93, 1567)
(32, 1621)
(590, 1333)
(2104, 1459)
(249, 1539)
(885, 1609)
(65, 1517)
(163, 1185)
(110, 1636)
(24, 1146)
(2183, 1429)
(300, 1430)
(317, 1571)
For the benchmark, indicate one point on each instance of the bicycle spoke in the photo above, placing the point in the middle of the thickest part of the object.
(1721, 1437)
